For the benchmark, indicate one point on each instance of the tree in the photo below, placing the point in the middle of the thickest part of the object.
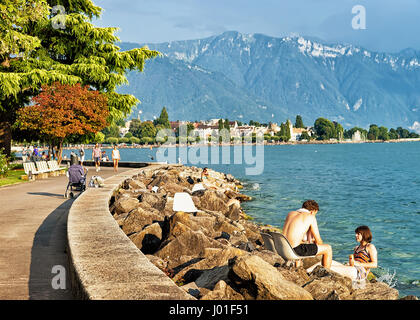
(147, 129)
(339, 131)
(163, 121)
(305, 136)
(35, 52)
(135, 128)
(299, 122)
(393, 135)
(61, 112)
(284, 134)
(373, 132)
(324, 129)
(111, 131)
(383, 133)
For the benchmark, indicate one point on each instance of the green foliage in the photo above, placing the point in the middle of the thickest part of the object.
(4, 165)
(163, 120)
(324, 129)
(299, 122)
(284, 134)
(147, 140)
(112, 140)
(99, 137)
(373, 133)
(254, 123)
(134, 140)
(33, 52)
(128, 135)
(123, 140)
(383, 133)
(147, 129)
(135, 128)
(111, 131)
(305, 136)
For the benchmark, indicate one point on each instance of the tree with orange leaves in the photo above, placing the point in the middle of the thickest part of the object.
(61, 112)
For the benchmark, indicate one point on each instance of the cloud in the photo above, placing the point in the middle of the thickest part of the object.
(415, 127)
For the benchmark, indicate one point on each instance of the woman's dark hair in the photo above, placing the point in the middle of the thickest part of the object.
(365, 232)
(310, 205)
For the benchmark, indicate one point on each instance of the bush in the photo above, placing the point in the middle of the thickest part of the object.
(134, 140)
(123, 140)
(146, 140)
(112, 140)
(4, 167)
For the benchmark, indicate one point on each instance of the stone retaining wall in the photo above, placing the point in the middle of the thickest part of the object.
(104, 262)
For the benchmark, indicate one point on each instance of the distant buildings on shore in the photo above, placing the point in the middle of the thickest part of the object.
(207, 128)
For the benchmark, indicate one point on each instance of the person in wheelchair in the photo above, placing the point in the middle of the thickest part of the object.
(77, 178)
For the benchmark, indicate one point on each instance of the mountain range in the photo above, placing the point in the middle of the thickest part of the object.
(257, 77)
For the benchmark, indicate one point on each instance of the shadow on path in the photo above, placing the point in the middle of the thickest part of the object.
(49, 250)
(47, 194)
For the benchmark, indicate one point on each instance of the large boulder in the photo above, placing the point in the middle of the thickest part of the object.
(125, 205)
(191, 243)
(137, 219)
(214, 201)
(326, 284)
(212, 258)
(374, 291)
(259, 280)
(155, 201)
(203, 223)
(149, 239)
(222, 291)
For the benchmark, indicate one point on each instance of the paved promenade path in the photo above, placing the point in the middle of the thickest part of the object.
(33, 237)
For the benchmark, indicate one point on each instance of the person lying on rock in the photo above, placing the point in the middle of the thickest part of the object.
(364, 257)
(301, 229)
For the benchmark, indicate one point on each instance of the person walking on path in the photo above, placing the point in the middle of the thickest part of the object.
(115, 157)
(301, 229)
(96, 156)
(82, 154)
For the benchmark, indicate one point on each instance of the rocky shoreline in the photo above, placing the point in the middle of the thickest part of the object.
(217, 253)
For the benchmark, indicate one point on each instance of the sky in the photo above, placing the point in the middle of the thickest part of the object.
(391, 25)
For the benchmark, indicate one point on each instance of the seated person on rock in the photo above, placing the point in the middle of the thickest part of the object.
(301, 229)
(364, 257)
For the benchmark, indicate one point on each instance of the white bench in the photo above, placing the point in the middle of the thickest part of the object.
(30, 170)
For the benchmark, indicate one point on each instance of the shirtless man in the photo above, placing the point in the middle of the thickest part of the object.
(300, 227)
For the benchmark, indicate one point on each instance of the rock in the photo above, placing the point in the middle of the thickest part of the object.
(149, 239)
(213, 257)
(209, 278)
(374, 291)
(298, 276)
(234, 212)
(222, 291)
(258, 279)
(158, 262)
(138, 219)
(203, 223)
(192, 289)
(172, 188)
(125, 205)
(136, 184)
(326, 284)
(214, 201)
(153, 200)
(410, 297)
(191, 242)
(272, 258)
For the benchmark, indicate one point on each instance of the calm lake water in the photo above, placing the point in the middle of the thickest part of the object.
(377, 185)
